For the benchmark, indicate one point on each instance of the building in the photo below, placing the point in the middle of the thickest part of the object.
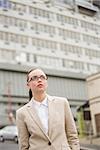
(57, 34)
(84, 120)
(62, 36)
(93, 84)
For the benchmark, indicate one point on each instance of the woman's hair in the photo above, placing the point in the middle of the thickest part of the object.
(30, 92)
(30, 72)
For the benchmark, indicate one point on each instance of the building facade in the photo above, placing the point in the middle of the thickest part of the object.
(61, 36)
(93, 84)
(57, 34)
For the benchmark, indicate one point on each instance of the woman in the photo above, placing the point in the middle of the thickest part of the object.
(45, 122)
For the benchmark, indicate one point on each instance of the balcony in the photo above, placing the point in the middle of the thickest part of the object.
(86, 7)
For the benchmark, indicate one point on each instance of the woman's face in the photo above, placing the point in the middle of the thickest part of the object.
(37, 81)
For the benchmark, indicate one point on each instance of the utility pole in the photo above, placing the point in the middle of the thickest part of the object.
(10, 113)
(9, 98)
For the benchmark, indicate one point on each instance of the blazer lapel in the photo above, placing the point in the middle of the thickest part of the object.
(35, 117)
(51, 114)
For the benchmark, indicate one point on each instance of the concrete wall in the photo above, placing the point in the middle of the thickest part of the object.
(93, 85)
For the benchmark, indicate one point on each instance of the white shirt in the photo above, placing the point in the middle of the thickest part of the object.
(42, 111)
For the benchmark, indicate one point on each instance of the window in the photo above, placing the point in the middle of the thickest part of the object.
(76, 65)
(40, 13)
(90, 26)
(91, 39)
(44, 44)
(43, 28)
(92, 67)
(69, 34)
(27, 57)
(13, 38)
(92, 53)
(70, 49)
(49, 61)
(18, 7)
(11, 21)
(66, 19)
(6, 54)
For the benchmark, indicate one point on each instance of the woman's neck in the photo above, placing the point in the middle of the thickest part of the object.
(39, 97)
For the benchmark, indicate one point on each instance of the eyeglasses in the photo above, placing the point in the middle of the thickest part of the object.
(36, 78)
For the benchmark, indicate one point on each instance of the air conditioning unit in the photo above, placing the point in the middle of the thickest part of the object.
(47, 1)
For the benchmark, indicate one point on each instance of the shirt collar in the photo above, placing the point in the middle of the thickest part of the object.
(44, 102)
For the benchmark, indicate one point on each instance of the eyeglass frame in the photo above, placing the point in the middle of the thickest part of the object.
(36, 78)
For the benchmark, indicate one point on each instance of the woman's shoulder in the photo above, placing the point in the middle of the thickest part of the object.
(22, 108)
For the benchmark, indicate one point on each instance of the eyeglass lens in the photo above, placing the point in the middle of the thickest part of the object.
(35, 78)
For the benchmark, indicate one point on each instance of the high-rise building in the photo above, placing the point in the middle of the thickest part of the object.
(61, 34)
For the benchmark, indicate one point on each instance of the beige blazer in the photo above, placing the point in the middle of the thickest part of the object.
(62, 133)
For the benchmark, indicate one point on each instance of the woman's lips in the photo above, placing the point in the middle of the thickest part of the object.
(40, 85)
